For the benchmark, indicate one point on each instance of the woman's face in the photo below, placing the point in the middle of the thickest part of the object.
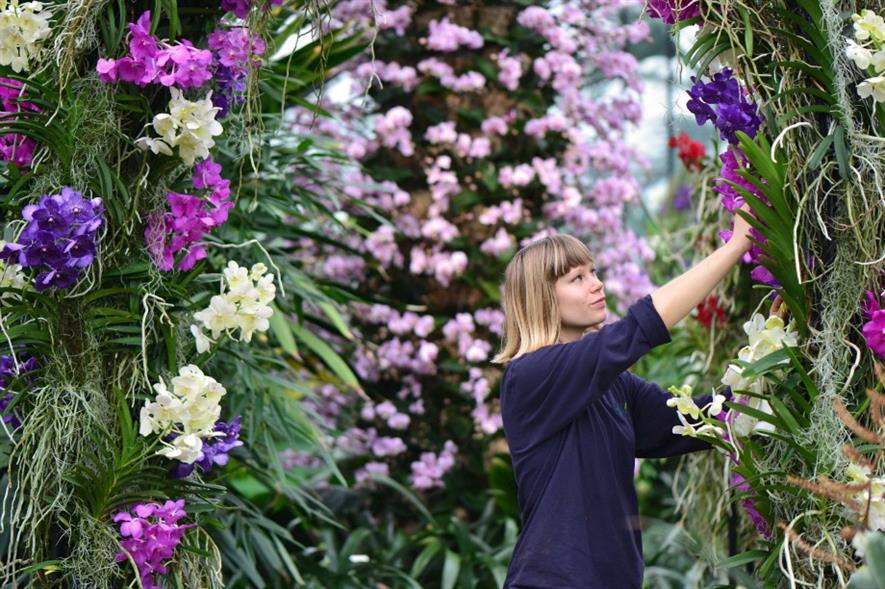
(581, 301)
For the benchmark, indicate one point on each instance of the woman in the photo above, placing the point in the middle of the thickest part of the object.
(575, 418)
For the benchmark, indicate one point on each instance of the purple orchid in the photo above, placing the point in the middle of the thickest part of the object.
(152, 62)
(59, 239)
(151, 532)
(15, 148)
(189, 218)
(673, 11)
(237, 52)
(241, 8)
(215, 450)
(723, 101)
(874, 329)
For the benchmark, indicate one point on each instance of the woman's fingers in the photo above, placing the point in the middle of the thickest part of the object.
(777, 307)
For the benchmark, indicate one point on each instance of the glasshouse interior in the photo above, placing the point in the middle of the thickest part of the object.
(442, 294)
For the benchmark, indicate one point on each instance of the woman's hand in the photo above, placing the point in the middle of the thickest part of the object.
(677, 298)
(740, 237)
(777, 308)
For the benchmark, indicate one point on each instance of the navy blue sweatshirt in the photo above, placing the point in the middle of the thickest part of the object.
(574, 419)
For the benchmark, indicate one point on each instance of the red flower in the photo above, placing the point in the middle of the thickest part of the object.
(710, 310)
(690, 152)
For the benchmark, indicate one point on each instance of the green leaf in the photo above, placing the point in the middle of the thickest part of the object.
(282, 330)
(742, 558)
(47, 566)
(700, 46)
(332, 313)
(766, 363)
(841, 150)
(353, 542)
(760, 415)
(327, 354)
(425, 557)
(411, 497)
(815, 72)
(803, 374)
(748, 30)
(503, 486)
(451, 569)
(822, 148)
(786, 415)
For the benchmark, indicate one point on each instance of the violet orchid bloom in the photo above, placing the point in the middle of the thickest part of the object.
(151, 536)
(151, 61)
(15, 148)
(673, 11)
(723, 101)
(215, 450)
(81, 250)
(189, 218)
(207, 173)
(874, 328)
(738, 482)
(61, 235)
(241, 7)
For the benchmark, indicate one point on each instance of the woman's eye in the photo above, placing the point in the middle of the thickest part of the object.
(576, 278)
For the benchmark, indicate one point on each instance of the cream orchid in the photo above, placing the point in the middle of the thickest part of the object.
(23, 30)
(190, 410)
(189, 125)
(243, 304)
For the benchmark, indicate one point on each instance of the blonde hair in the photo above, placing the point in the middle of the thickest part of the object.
(531, 314)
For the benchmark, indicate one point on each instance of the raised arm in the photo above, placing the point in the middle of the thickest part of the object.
(678, 297)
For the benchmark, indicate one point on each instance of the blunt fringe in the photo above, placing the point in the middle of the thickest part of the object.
(531, 314)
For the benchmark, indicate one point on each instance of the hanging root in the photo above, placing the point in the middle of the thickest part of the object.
(824, 555)
(198, 570)
(92, 561)
(54, 434)
(76, 34)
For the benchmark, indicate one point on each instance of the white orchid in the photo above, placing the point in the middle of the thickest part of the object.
(219, 316)
(878, 61)
(860, 55)
(189, 125)
(764, 337)
(875, 495)
(745, 424)
(11, 277)
(190, 409)
(243, 305)
(715, 407)
(204, 343)
(868, 25)
(868, 50)
(874, 87)
(23, 30)
(187, 449)
(683, 402)
(695, 429)
(685, 405)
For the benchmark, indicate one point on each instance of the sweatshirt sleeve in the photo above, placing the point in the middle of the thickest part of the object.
(653, 420)
(546, 389)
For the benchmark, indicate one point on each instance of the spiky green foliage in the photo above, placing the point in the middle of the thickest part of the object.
(818, 161)
(78, 457)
